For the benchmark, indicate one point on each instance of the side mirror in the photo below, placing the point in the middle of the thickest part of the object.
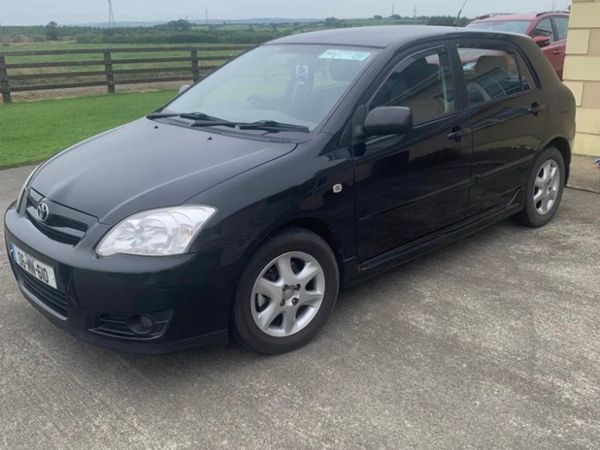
(184, 88)
(541, 41)
(386, 120)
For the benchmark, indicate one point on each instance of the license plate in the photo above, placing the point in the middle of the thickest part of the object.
(33, 267)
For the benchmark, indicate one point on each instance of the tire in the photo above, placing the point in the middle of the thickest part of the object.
(543, 195)
(277, 310)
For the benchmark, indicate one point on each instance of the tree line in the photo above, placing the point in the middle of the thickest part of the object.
(183, 31)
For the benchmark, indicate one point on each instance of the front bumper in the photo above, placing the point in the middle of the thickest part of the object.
(190, 293)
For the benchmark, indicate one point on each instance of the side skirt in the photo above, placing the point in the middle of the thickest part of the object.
(357, 272)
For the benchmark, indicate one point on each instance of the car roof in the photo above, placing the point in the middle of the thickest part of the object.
(376, 36)
(526, 16)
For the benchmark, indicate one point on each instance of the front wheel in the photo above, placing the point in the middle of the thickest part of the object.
(286, 292)
(544, 190)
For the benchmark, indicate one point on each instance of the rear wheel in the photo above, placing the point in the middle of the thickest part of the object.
(286, 292)
(544, 190)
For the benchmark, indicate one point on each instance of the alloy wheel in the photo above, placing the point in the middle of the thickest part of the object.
(546, 187)
(288, 294)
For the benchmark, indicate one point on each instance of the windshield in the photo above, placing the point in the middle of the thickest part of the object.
(510, 26)
(293, 84)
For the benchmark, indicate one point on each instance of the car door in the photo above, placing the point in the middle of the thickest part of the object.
(411, 185)
(561, 26)
(555, 50)
(507, 113)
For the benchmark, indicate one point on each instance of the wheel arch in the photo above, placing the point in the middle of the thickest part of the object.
(564, 147)
(317, 226)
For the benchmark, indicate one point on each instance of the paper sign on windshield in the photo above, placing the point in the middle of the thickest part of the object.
(348, 55)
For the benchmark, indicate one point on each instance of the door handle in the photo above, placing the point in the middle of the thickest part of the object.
(557, 52)
(457, 134)
(536, 108)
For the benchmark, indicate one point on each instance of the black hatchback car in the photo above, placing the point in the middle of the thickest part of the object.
(302, 167)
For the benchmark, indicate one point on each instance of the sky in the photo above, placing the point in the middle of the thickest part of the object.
(29, 12)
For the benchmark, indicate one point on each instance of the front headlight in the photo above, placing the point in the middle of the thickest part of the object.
(158, 232)
(24, 188)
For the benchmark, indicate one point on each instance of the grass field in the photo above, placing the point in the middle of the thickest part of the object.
(33, 131)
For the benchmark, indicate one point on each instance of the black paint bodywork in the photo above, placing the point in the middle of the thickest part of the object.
(402, 195)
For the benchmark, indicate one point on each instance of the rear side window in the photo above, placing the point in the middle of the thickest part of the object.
(562, 27)
(544, 28)
(491, 74)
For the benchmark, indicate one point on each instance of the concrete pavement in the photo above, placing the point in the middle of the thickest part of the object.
(493, 342)
(585, 174)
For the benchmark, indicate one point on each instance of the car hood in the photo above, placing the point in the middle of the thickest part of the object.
(147, 165)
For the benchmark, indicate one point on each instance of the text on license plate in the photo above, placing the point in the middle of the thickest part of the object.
(32, 266)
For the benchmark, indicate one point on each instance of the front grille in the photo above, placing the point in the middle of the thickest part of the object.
(53, 299)
(56, 234)
(63, 224)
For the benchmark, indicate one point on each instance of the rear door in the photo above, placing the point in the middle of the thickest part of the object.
(555, 51)
(410, 185)
(561, 27)
(507, 114)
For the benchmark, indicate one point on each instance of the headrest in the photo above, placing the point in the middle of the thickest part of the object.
(488, 63)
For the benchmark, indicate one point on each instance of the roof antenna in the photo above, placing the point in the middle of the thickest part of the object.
(460, 12)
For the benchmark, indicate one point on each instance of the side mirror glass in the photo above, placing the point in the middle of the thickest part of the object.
(542, 41)
(386, 120)
(184, 88)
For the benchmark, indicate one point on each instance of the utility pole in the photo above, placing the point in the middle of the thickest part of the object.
(415, 12)
(206, 15)
(111, 15)
(393, 9)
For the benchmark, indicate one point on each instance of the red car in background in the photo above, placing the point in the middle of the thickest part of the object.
(548, 29)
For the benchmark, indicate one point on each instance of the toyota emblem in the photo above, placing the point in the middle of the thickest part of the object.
(43, 211)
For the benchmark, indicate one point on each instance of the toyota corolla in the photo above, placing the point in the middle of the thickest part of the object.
(300, 168)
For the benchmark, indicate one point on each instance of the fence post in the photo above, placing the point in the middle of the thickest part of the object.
(195, 66)
(108, 70)
(4, 84)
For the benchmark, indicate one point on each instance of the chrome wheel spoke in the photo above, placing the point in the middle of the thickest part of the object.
(284, 267)
(553, 172)
(289, 320)
(268, 288)
(546, 172)
(544, 206)
(310, 298)
(538, 196)
(308, 272)
(266, 317)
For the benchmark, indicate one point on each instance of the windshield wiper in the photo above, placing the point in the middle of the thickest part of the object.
(267, 125)
(204, 120)
(272, 125)
(192, 116)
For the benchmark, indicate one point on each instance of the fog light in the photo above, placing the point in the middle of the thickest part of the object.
(140, 324)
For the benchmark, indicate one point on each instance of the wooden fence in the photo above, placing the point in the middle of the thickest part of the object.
(199, 62)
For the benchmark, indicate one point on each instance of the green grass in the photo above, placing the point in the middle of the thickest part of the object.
(33, 131)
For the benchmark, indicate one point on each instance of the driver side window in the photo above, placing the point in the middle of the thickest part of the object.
(422, 82)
